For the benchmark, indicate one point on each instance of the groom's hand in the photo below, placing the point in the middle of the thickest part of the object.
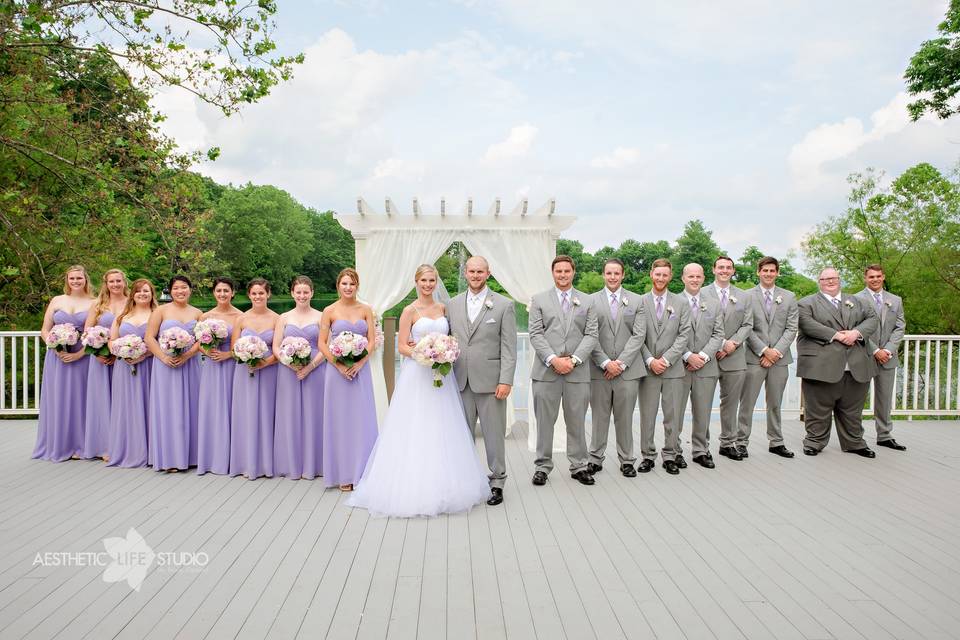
(503, 390)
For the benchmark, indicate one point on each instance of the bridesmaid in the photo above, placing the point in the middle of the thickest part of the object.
(110, 302)
(216, 388)
(127, 444)
(64, 386)
(174, 388)
(349, 414)
(297, 442)
(254, 397)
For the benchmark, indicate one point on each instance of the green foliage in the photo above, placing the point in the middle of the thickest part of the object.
(912, 229)
(934, 70)
(590, 282)
(330, 249)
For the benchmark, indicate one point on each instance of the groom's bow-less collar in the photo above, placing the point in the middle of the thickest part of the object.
(475, 303)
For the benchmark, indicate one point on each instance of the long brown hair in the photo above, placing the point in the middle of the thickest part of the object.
(127, 308)
(103, 298)
(352, 274)
(86, 276)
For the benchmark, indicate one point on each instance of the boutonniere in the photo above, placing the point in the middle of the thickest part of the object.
(847, 303)
(779, 300)
(488, 304)
(576, 302)
(888, 304)
(733, 299)
(624, 301)
(703, 307)
(670, 310)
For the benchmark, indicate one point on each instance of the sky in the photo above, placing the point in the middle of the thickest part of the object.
(636, 116)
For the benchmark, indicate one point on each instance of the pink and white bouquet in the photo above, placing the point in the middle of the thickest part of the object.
(62, 336)
(348, 347)
(174, 341)
(295, 351)
(439, 352)
(95, 339)
(129, 348)
(250, 350)
(210, 333)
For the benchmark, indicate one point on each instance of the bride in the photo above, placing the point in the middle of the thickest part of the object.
(424, 462)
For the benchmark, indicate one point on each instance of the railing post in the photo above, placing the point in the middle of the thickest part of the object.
(389, 353)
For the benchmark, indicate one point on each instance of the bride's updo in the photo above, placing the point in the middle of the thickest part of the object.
(425, 268)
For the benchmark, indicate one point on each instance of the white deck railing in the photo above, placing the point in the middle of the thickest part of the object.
(928, 380)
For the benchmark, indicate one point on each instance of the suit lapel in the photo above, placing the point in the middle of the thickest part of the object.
(828, 306)
(844, 312)
(483, 311)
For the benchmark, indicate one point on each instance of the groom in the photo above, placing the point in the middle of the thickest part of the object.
(484, 324)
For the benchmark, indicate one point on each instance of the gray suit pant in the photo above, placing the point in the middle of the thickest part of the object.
(493, 425)
(663, 393)
(774, 380)
(825, 401)
(731, 385)
(883, 392)
(547, 397)
(701, 390)
(617, 396)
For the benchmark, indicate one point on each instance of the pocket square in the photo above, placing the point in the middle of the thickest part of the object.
(490, 321)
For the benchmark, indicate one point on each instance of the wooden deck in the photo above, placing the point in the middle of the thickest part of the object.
(829, 547)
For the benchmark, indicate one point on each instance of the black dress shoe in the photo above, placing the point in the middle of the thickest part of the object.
(680, 461)
(892, 444)
(744, 454)
(539, 478)
(583, 477)
(705, 460)
(593, 468)
(496, 496)
(645, 466)
(866, 452)
(628, 470)
(810, 451)
(730, 452)
(781, 451)
(671, 467)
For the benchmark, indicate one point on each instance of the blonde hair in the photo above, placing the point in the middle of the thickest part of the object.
(352, 273)
(424, 268)
(86, 277)
(127, 308)
(103, 298)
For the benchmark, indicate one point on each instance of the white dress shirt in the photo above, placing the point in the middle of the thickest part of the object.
(475, 303)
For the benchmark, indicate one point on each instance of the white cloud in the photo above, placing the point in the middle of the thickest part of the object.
(617, 159)
(516, 145)
(397, 168)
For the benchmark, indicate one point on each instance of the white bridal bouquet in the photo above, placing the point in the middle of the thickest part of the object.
(129, 348)
(250, 350)
(62, 336)
(295, 351)
(210, 333)
(348, 347)
(439, 352)
(94, 340)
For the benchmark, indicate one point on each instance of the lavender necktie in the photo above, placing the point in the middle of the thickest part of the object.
(613, 306)
(659, 307)
(879, 303)
(768, 302)
(694, 308)
(836, 302)
(723, 299)
(565, 304)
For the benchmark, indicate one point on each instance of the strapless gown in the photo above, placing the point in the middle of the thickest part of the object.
(251, 417)
(174, 393)
(96, 432)
(129, 405)
(298, 433)
(424, 462)
(213, 410)
(62, 400)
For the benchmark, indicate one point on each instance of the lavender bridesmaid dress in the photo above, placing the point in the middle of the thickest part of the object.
(96, 433)
(213, 426)
(62, 395)
(251, 417)
(172, 415)
(298, 435)
(349, 418)
(129, 402)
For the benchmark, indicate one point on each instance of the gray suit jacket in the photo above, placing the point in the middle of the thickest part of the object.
(666, 337)
(777, 330)
(818, 357)
(706, 334)
(614, 335)
(892, 326)
(488, 346)
(737, 324)
(554, 333)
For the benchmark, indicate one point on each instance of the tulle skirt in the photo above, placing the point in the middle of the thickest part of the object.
(424, 462)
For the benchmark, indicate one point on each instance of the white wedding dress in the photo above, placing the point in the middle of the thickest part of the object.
(424, 462)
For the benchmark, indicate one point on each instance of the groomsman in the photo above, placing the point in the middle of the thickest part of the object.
(614, 370)
(663, 328)
(563, 332)
(485, 326)
(768, 355)
(884, 344)
(737, 318)
(700, 379)
(836, 368)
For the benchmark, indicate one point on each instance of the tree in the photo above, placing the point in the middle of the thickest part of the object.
(695, 245)
(934, 70)
(591, 282)
(331, 249)
(582, 260)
